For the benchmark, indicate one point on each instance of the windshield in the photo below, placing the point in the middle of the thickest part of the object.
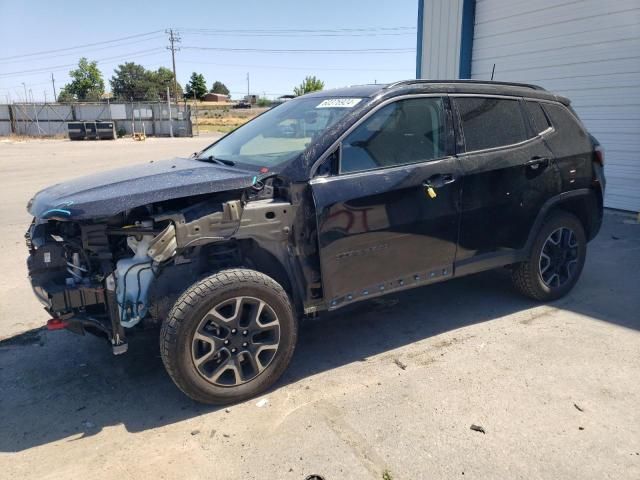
(281, 133)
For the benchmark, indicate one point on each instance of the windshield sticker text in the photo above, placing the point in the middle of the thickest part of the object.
(339, 103)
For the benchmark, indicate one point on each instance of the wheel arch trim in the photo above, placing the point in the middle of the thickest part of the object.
(556, 202)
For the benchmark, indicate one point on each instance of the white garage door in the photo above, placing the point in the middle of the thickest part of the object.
(586, 50)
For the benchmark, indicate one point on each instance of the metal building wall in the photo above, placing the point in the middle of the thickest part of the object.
(586, 50)
(440, 25)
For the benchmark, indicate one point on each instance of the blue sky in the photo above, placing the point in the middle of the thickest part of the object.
(30, 27)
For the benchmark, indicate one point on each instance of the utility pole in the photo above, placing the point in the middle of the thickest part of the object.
(45, 96)
(248, 93)
(169, 107)
(25, 93)
(173, 39)
(55, 95)
(195, 107)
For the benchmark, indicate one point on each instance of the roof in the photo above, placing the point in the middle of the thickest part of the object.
(353, 91)
(442, 86)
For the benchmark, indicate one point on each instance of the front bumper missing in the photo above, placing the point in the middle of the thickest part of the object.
(69, 305)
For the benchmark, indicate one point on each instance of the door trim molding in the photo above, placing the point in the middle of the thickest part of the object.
(411, 280)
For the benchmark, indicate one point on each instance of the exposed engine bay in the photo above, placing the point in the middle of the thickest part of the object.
(106, 275)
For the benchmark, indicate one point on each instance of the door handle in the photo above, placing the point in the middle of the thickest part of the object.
(439, 180)
(537, 162)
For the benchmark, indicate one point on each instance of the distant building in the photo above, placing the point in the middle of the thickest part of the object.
(281, 99)
(215, 97)
(252, 99)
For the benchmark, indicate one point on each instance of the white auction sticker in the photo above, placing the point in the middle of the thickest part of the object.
(339, 103)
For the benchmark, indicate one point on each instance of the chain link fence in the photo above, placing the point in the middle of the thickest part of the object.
(50, 119)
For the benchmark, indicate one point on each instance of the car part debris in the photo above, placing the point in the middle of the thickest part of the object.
(477, 428)
(401, 365)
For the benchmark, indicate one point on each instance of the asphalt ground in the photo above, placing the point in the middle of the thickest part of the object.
(389, 388)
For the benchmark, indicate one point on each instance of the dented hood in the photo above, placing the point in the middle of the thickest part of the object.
(111, 192)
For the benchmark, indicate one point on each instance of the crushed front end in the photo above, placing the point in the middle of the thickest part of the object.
(79, 272)
(114, 273)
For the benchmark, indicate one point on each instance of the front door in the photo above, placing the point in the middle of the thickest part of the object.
(389, 218)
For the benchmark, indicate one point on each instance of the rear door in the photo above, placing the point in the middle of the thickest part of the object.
(509, 172)
(379, 229)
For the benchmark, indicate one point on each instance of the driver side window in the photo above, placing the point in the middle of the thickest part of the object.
(403, 132)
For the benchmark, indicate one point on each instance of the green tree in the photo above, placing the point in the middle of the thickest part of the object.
(219, 87)
(163, 78)
(86, 83)
(264, 102)
(310, 84)
(65, 96)
(197, 86)
(134, 82)
(131, 82)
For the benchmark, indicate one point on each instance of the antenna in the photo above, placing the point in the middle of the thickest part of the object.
(493, 70)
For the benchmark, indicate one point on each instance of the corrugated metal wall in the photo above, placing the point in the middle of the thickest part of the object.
(441, 27)
(587, 50)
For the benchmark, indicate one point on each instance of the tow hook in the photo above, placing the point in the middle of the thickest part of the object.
(120, 348)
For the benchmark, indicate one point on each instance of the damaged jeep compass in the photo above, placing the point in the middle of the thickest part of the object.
(328, 199)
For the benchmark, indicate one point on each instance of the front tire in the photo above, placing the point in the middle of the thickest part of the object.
(556, 261)
(229, 337)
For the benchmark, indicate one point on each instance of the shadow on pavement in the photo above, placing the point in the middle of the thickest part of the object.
(55, 384)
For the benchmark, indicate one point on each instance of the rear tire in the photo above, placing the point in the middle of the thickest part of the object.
(556, 261)
(229, 337)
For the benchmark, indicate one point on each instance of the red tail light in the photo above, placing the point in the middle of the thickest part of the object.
(599, 155)
(56, 324)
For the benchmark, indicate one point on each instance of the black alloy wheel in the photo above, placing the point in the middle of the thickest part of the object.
(556, 258)
(229, 337)
(559, 257)
(235, 341)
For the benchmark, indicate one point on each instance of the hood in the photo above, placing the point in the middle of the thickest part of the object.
(111, 192)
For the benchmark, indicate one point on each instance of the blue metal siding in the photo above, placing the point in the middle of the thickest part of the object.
(420, 38)
(466, 40)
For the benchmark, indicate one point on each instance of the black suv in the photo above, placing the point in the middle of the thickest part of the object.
(328, 199)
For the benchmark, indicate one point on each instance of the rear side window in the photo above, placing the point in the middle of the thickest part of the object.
(490, 122)
(565, 121)
(406, 131)
(539, 119)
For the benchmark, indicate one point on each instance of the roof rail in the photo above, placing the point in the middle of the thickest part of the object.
(473, 82)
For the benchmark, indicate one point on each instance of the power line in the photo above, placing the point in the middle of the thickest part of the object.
(217, 31)
(298, 30)
(141, 53)
(29, 85)
(283, 67)
(300, 34)
(45, 52)
(83, 52)
(304, 50)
